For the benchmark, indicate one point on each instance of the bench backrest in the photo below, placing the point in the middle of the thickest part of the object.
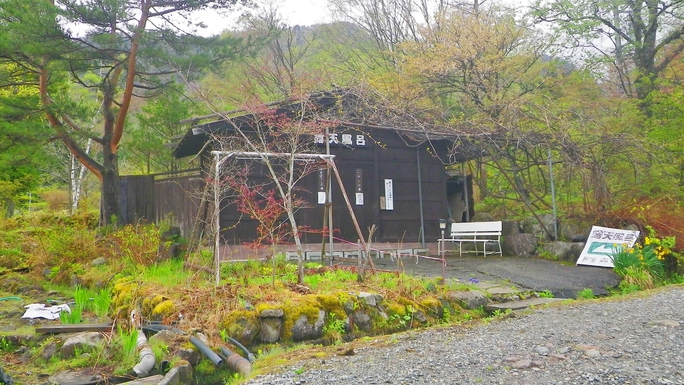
(476, 227)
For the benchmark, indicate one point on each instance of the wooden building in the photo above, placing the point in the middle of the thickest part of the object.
(400, 179)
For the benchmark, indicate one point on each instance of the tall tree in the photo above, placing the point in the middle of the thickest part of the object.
(638, 39)
(491, 80)
(21, 137)
(117, 49)
(389, 23)
(158, 123)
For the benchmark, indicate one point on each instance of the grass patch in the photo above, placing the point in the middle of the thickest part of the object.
(585, 294)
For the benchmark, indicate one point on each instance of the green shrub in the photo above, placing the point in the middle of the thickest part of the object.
(643, 265)
(585, 294)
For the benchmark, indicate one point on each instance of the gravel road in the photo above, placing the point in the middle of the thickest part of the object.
(618, 341)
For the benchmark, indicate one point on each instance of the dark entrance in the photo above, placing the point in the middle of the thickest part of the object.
(460, 191)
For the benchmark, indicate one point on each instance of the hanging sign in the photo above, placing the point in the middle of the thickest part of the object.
(354, 140)
(359, 187)
(603, 242)
(389, 195)
(322, 198)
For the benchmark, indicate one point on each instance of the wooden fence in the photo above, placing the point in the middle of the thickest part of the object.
(176, 199)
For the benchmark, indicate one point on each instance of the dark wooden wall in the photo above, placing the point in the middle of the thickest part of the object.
(136, 200)
(386, 155)
(179, 201)
(148, 198)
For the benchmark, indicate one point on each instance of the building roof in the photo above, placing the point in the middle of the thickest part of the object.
(337, 108)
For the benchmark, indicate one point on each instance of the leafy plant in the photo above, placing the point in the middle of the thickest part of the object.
(125, 346)
(446, 315)
(585, 294)
(334, 326)
(101, 302)
(71, 317)
(546, 294)
(644, 264)
(403, 321)
(6, 345)
(498, 313)
(547, 255)
(299, 371)
(625, 287)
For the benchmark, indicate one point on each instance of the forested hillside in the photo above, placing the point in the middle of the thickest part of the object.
(584, 98)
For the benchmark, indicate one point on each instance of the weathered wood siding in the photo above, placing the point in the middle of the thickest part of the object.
(153, 199)
(179, 201)
(136, 200)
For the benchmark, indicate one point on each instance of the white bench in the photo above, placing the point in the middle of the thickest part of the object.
(475, 232)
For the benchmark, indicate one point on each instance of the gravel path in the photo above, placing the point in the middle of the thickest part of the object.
(623, 341)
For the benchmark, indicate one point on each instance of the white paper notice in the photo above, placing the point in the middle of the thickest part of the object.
(389, 195)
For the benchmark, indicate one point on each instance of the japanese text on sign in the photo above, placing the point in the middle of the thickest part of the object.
(603, 242)
(349, 140)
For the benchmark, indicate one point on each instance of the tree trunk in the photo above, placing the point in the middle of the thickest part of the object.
(9, 208)
(111, 189)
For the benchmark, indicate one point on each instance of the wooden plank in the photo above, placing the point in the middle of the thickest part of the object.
(105, 327)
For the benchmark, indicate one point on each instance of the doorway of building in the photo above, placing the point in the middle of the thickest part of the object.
(460, 202)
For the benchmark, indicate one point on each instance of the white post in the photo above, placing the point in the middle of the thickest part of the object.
(217, 218)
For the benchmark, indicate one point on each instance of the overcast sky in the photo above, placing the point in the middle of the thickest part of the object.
(293, 12)
(305, 13)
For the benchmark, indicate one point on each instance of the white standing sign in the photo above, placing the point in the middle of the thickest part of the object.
(389, 195)
(322, 197)
(603, 242)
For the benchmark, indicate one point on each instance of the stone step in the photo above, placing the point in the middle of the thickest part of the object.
(521, 304)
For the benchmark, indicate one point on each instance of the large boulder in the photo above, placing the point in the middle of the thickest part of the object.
(271, 325)
(82, 342)
(564, 251)
(5, 378)
(533, 226)
(510, 228)
(470, 299)
(520, 245)
(362, 320)
(573, 230)
(302, 330)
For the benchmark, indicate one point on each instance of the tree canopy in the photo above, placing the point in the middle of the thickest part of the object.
(595, 92)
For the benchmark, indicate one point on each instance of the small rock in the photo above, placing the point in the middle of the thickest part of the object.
(557, 356)
(585, 347)
(370, 299)
(522, 364)
(514, 358)
(542, 350)
(536, 364)
(99, 261)
(592, 353)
